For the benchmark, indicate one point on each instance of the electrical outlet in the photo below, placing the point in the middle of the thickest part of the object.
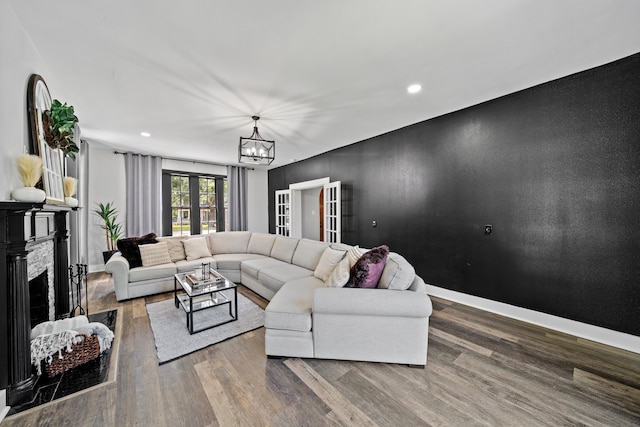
(488, 229)
(374, 223)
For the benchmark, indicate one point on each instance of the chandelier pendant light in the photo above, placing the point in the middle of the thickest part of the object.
(255, 149)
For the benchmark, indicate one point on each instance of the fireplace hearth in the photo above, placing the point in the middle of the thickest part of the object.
(25, 230)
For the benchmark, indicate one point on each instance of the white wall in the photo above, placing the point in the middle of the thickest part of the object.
(20, 59)
(311, 213)
(106, 184)
(182, 166)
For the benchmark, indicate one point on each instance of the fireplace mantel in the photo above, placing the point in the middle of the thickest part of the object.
(23, 226)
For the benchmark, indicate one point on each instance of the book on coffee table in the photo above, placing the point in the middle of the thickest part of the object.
(197, 281)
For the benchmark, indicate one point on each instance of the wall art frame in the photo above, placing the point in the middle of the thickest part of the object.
(39, 101)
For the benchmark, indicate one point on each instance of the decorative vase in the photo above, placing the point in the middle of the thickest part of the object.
(71, 201)
(29, 194)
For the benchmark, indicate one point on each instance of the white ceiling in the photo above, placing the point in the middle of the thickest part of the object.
(321, 74)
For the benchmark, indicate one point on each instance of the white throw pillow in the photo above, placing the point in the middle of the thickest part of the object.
(154, 254)
(328, 261)
(340, 275)
(354, 254)
(196, 248)
(175, 247)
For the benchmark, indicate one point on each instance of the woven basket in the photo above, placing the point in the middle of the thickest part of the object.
(82, 352)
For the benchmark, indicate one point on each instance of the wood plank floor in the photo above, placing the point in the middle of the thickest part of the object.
(483, 369)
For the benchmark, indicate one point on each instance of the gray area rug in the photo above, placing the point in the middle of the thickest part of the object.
(169, 326)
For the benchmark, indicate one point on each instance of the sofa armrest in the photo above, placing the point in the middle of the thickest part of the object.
(118, 266)
(374, 325)
(374, 302)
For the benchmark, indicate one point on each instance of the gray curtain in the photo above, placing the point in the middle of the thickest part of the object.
(79, 219)
(144, 194)
(237, 182)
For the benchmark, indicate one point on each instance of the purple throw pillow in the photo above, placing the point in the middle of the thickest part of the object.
(366, 272)
(128, 247)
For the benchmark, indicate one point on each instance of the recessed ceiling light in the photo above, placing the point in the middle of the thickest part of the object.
(145, 134)
(414, 88)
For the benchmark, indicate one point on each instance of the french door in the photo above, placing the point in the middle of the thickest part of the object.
(283, 209)
(288, 210)
(332, 213)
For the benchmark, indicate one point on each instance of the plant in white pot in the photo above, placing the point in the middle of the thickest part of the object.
(70, 185)
(30, 172)
(112, 228)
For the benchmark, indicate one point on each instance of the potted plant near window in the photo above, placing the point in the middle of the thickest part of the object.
(112, 228)
(59, 122)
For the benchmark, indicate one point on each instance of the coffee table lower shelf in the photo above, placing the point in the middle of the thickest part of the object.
(215, 299)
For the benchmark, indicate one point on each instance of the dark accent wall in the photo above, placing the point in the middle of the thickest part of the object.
(555, 169)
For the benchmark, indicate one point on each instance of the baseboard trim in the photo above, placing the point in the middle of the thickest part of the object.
(4, 409)
(593, 333)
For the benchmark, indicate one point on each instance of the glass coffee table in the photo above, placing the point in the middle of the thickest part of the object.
(204, 294)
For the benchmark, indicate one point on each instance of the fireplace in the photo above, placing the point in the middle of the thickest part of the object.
(33, 242)
(39, 298)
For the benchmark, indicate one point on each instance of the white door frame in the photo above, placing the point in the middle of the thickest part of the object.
(296, 202)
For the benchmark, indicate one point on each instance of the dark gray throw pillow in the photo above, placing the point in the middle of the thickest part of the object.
(128, 247)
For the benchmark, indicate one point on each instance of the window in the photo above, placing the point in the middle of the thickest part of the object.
(192, 204)
(207, 187)
(180, 206)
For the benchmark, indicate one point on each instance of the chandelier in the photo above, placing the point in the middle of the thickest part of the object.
(255, 149)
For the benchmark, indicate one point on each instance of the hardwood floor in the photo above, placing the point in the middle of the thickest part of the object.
(482, 369)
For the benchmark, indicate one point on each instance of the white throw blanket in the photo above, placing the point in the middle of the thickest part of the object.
(105, 336)
(51, 327)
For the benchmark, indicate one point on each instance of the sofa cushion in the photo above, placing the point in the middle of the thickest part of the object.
(185, 266)
(397, 274)
(261, 243)
(340, 247)
(229, 242)
(290, 308)
(233, 261)
(175, 247)
(154, 254)
(340, 275)
(161, 271)
(367, 271)
(328, 261)
(252, 267)
(196, 248)
(308, 253)
(128, 247)
(283, 248)
(273, 277)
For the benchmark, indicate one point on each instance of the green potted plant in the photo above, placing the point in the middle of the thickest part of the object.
(112, 228)
(59, 122)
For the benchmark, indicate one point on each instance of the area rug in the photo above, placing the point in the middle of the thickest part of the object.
(169, 326)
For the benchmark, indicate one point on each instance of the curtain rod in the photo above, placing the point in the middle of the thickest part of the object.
(178, 159)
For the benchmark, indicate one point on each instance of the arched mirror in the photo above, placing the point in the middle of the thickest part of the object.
(39, 101)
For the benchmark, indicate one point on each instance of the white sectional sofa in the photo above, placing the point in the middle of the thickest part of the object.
(304, 318)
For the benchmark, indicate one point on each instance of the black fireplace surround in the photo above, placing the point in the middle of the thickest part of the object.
(22, 227)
